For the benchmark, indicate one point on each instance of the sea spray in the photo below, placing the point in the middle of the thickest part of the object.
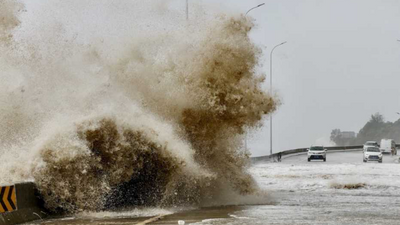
(8, 20)
(151, 115)
(81, 165)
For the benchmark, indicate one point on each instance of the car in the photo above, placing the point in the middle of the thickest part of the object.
(372, 154)
(316, 152)
(370, 144)
(387, 145)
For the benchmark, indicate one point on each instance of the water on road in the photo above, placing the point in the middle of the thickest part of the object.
(343, 190)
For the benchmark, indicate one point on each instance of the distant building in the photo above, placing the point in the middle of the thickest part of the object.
(348, 134)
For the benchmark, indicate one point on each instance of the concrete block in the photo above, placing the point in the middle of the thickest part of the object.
(29, 207)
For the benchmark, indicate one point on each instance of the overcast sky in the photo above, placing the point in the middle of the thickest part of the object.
(341, 64)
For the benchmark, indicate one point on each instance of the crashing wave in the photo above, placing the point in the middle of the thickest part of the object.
(153, 120)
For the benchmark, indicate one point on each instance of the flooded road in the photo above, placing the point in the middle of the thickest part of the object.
(344, 190)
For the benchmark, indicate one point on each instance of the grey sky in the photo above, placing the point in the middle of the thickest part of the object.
(341, 64)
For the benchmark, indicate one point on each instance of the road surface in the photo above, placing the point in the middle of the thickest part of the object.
(343, 190)
(338, 157)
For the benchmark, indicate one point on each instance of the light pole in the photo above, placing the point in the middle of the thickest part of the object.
(255, 7)
(270, 87)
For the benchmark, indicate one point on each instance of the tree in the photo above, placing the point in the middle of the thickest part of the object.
(336, 136)
(374, 130)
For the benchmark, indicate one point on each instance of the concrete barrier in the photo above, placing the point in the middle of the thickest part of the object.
(273, 157)
(21, 203)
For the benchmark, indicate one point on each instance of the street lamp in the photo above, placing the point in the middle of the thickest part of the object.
(270, 83)
(254, 8)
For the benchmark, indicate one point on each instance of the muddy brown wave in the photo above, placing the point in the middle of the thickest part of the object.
(157, 120)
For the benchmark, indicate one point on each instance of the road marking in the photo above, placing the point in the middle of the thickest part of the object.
(159, 217)
(8, 199)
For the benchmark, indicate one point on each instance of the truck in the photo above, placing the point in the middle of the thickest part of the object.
(387, 145)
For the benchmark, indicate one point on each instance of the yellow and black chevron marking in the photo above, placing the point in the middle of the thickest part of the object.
(8, 199)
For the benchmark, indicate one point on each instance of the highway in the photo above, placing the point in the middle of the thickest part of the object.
(343, 190)
(337, 157)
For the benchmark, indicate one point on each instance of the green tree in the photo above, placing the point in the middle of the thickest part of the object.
(374, 130)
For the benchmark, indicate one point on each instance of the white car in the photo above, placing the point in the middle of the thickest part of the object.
(370, 144)
(316, 152)
(372, 154)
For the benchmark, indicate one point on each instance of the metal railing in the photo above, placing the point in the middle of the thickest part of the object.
(300, 150)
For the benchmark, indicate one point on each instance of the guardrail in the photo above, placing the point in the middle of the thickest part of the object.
(300, 150)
